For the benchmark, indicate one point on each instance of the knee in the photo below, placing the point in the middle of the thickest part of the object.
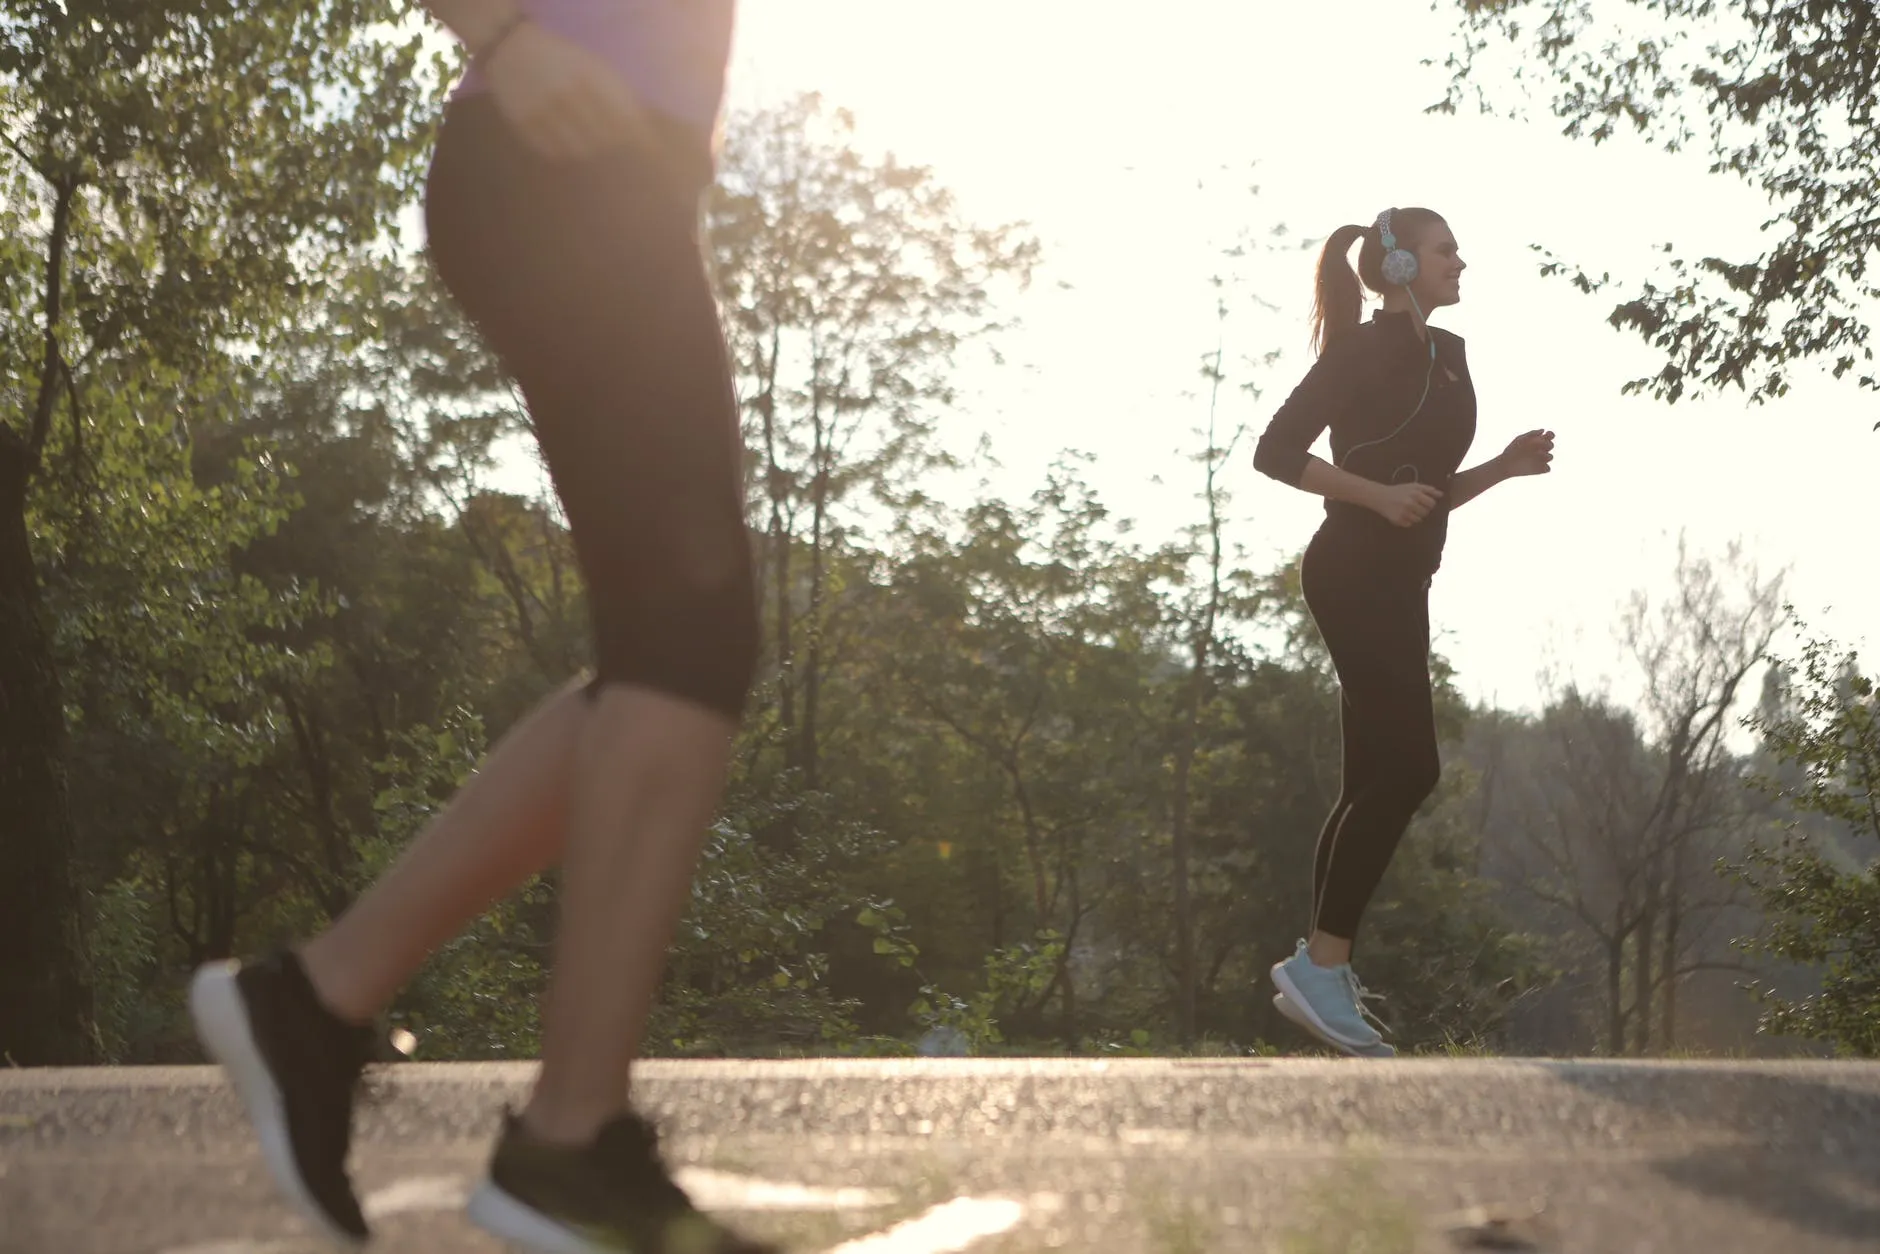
(1423, 771)
(691, 630)
(1414, 772)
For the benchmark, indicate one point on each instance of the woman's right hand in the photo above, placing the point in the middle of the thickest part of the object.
(565, 102)
(1404, 504)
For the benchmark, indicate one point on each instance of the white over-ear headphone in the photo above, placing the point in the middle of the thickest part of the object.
(1400, 264)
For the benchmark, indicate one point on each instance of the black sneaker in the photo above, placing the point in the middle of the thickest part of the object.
(613, 1196)
(295, 1067)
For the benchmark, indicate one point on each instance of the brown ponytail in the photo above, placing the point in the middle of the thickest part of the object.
(1337, 302)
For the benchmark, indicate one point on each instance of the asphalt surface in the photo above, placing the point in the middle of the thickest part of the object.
(1293, 1156)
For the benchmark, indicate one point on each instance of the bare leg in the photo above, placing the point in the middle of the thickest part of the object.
(504, 825)
(649, 772)
(1327, 950)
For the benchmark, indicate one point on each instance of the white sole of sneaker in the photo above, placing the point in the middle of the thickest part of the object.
(503, 1217)
(215, 1004)
(1294, 1006)
(1284, 1005)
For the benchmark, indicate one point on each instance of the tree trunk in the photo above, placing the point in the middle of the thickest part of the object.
(1668, 1031)
(807, 753)
(1067, 980)
(1202, 647)
(45, 998)
(995, 889)
(1615, 992)
(777, 489)
(786, 675)
(45, 1004)
(335, 849)
(1178, 840)
(1642, 989)
(1034, 843)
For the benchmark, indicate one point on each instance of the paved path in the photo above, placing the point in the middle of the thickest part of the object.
(1000, 1157)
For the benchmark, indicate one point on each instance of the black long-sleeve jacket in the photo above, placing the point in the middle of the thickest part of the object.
(1362, 388)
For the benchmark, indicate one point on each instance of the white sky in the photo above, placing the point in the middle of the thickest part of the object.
(1098, 131)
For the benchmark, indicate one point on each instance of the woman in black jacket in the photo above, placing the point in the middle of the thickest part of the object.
(1395, 395)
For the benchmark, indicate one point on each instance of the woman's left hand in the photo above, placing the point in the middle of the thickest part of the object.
(1530, 453)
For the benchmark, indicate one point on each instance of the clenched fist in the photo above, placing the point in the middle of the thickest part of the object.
(1405, 504)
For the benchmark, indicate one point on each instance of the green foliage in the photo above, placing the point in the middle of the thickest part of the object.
(203, 191)
(123, 953)
(1827, 723)
(851, 287)
(1013, 976)
(751, 965)
(174, 180)
(477, 997)
(1818, 910)
(1779, 95)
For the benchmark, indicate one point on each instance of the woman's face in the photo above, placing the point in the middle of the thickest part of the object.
(1439, 268)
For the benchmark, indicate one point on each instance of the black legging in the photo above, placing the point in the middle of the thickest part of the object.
(1372, 609)
(587, 280)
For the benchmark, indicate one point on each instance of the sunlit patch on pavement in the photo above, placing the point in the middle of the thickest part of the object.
(948, 1227)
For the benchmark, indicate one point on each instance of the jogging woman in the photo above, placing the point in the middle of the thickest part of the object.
(563, 211)
(1395, 395)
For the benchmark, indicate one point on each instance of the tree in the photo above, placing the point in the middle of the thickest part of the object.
(1567, 799)
(848, 285)
(1695, 650)
(1033, 640)
(166, 218)
(1778, 93)
(1202, 624)
(1818, 910)
(279, 652)
(1615, 816)
(1200, 615)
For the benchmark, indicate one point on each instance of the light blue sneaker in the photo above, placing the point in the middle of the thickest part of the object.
(1329, 1003)
(1380, 1050)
